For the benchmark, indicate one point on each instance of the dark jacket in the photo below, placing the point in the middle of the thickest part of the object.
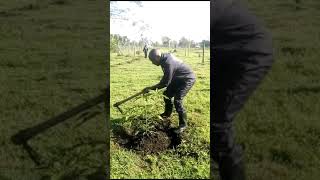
(145, 48)
(174, 70)
(235, 30)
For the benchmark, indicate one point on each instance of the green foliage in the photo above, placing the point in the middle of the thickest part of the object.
(143, 117)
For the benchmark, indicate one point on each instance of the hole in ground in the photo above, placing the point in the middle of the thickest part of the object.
(158, 140)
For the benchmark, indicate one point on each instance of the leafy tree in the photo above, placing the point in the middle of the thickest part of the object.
(183, 42)
(206, 43)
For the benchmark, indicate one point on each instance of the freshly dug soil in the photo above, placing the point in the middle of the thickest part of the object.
(153, 142)
(161, 139)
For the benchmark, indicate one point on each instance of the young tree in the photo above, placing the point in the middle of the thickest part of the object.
(119, 13)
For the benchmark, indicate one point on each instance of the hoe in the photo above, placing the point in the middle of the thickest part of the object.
(117, 104)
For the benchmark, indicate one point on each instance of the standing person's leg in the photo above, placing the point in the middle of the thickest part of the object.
(168, 95)
(182, 89)
(145, 53)
(242, 55)
(234, 83)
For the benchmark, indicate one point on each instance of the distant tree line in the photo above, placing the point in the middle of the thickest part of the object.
(117, 41)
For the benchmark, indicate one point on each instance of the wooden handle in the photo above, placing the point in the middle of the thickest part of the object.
(129, 98)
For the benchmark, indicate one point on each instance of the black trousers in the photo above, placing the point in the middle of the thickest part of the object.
(145, 53)
(233, 83)
(177, 89)
(241, 57)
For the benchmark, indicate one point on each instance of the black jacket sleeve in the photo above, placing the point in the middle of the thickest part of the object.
(168, 70)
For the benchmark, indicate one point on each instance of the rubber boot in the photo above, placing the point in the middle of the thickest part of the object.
(182, 123)
(167, 109)
(229, 171)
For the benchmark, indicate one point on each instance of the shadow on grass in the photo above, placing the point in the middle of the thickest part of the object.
(76, 158)
(23, 136)
(68, 158)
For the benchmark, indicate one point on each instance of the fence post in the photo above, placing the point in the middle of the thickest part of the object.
(203, 51)
(134, 50)
(185, 51)
(189, 48)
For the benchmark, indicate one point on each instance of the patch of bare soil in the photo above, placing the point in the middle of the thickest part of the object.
(159, 140)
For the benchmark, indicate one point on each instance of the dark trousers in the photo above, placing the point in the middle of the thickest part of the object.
(145, 53)
(241, 57)
(177, 89)
(235, 78)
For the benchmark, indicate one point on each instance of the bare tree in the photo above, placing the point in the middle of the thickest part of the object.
(119, 13)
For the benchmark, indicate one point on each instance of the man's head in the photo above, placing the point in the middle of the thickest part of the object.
(154, 56)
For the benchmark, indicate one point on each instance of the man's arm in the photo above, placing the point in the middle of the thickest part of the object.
(154, 87)
(165, 81)
(167, 75)
(157, 86)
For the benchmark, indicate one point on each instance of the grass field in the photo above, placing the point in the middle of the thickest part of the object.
(129, 75)
(52, 57)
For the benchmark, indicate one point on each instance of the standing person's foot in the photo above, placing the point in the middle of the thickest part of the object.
(182, 123)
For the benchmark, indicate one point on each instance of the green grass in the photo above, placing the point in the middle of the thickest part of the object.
(52, 58)
(130, 75)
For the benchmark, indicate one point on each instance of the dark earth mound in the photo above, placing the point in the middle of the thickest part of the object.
(153, 142)
(158, 140)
